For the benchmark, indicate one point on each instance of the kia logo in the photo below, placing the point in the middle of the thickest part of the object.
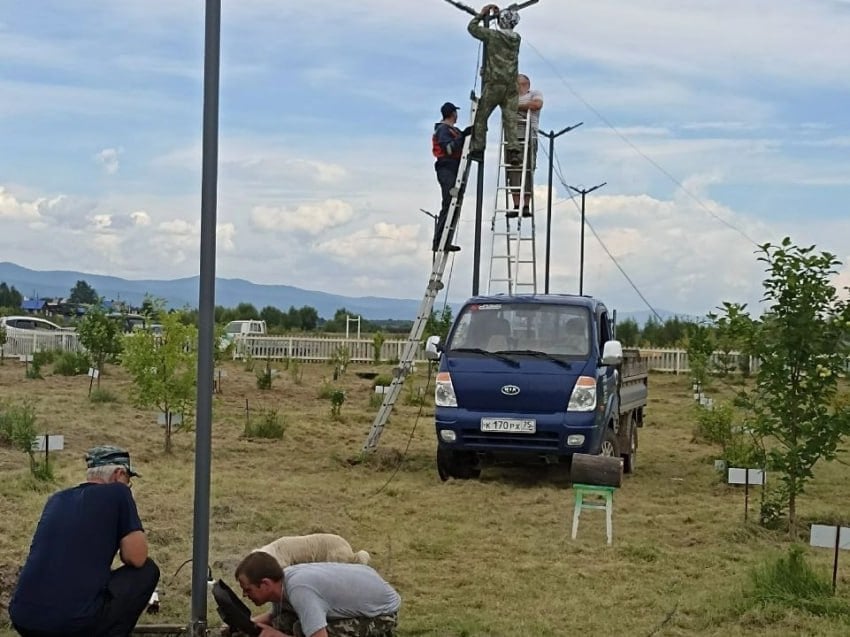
(510, 390)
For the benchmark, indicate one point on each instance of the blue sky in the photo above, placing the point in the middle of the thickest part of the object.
(326, 115)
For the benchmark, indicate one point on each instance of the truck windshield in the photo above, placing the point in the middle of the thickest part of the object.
(555, 330)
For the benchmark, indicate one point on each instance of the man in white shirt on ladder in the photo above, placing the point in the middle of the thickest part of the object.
(530, 104)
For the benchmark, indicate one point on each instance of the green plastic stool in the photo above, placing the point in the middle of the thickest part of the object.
(607, 493)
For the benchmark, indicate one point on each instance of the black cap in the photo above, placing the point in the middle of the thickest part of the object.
(448, 108)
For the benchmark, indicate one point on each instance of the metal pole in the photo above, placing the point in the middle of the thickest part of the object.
(551, 135)
(583, 192)
(581, 262)
(206, 321)
(476, 254)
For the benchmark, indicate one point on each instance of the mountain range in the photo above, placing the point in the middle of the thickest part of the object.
(228, 293)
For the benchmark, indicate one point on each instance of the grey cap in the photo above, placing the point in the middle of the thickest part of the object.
(108, 454)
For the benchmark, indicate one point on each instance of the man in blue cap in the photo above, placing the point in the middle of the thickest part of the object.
(67, 586)
(447, 148)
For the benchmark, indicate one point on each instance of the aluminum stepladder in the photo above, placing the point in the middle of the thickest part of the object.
(513, 262)
(435, 284)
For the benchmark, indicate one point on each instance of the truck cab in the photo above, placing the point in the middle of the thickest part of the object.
(533, 378)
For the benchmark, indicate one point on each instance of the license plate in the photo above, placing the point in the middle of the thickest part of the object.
(509, 425)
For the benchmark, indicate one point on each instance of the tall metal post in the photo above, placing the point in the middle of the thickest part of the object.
(479, 217)
(206, 321)
(583, 192)
(551, 135)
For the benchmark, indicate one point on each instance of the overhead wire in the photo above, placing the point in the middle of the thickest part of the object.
(571, 196)
(637, 150)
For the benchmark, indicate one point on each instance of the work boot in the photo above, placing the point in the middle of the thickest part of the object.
(452, 248)
(476, 155)
(512, 214)
(526, 212)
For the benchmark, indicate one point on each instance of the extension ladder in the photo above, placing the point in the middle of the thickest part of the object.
(435, 284)
(513, 262)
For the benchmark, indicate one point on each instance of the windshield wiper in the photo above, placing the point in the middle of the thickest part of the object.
(537, 354)
(478, 350)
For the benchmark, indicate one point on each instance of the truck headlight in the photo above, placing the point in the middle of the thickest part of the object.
(583, 397)
(576, 440)
(444, 392)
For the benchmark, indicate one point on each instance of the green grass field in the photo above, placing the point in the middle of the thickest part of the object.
(488, 557)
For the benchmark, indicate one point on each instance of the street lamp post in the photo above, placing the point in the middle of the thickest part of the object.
(583, 192)
(551, 135)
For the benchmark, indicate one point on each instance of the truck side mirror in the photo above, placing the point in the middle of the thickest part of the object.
(432, 348)
(612, 353)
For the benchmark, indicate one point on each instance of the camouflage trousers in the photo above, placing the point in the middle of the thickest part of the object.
(505, 96)
(380, 626)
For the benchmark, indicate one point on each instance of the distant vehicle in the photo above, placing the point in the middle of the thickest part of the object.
(155, 329)
(129, 322)
(27, 325)
(244, 328)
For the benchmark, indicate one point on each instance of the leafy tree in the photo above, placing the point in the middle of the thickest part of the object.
(101, 336)
(246, 311)
(700, 348)
(801, 342)
(272, 316)
(10, 297)
(308, 318)
(152, 307)
(164, 369)
(628, 332)
(439, 324)
(83, 293)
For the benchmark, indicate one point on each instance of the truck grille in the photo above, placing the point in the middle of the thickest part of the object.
(542, 440)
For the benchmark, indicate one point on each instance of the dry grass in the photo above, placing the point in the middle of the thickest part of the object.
(489, 557)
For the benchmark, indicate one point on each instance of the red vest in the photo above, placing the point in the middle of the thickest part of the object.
(437, 150)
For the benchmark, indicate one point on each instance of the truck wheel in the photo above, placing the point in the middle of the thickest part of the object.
(630, 458)
(460, 466)
(610, 445)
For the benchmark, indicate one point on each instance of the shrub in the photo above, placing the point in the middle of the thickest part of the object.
(270, 425)
(789, 581)
(383, 380)
(296, 373)
(18, 430)
(264, 377)
(45, 357)
(340, 358)
(72, 364)
(376, 400)
(414, 395)
(326, 389)
(378, 340)
(738, 448)
(100, 395)
(337, 399)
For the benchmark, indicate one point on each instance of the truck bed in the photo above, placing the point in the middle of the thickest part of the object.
(633, 381)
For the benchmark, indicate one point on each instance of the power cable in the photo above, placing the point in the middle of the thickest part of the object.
(602, 243)
(637, 150)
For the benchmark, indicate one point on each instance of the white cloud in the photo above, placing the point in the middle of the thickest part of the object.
(311, 219)
(12, 208)
(108, 159)
(140, 218)
(371, 248)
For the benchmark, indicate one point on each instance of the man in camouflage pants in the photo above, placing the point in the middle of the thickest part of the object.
(319, 599)
(499, 87)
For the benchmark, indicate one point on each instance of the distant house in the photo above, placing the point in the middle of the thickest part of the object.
(33, 306)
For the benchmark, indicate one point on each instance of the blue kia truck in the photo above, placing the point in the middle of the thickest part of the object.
(534, 378)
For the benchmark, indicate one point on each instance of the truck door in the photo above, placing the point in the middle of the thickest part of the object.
(609, 373)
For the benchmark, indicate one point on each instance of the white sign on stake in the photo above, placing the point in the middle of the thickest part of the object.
(382, 389)
(823, 536)
(739, 476)
(57, 443)
(25, 358)
(831, 537)
(93, 373)
(176, 419)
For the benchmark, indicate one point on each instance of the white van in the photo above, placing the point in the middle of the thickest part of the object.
(236, 329)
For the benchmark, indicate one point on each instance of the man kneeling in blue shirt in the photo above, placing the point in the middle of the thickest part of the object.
(319, 599)
(67, 586)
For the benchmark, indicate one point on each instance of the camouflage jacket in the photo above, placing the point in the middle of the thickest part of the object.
(501, 52)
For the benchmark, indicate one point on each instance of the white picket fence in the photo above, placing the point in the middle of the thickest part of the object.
(41, 342)
(318, 349)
